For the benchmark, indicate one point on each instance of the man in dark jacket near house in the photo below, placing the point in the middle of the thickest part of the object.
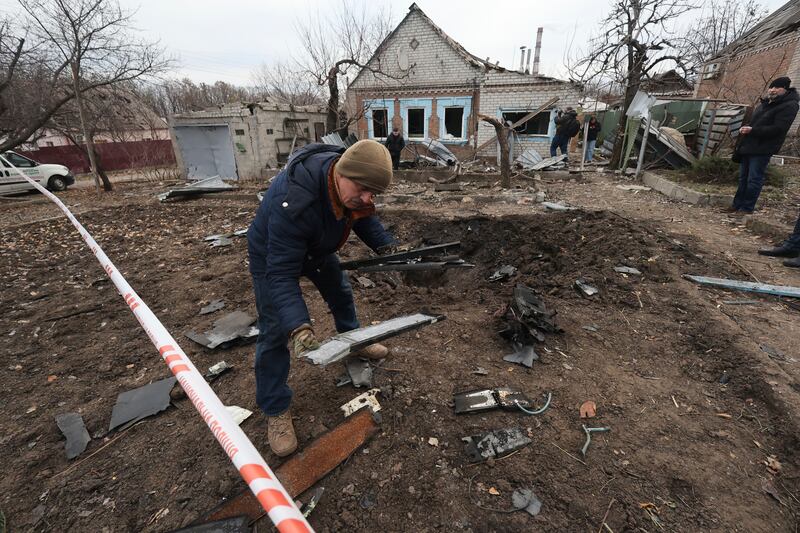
(567, 126)
(305, 217)
(761, 140)
(395, 143)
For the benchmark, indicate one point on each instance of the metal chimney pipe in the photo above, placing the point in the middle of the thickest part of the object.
(528, 62)
(522, 57)
(538, 52)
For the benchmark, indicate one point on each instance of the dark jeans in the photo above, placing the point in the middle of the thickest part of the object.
(273, 394)
(793, 241)
(395, 160)
(561, 142)
(752, 170)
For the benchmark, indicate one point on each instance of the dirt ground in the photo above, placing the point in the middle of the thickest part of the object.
(685, 451)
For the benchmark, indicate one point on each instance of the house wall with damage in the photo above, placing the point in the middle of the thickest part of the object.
(420, 71)
(434, 88)
(741, 73)
(514, 93)
(257, 136)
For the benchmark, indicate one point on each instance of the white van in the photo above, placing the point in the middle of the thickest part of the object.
(54, 177)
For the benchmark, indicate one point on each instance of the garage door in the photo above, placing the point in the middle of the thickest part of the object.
(207, 151)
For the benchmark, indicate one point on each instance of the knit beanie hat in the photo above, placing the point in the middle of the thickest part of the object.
(367, 163)
(782, 82)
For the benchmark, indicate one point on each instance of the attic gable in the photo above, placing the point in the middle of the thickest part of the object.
(417, 51)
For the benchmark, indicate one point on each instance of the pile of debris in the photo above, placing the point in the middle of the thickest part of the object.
(527, 320)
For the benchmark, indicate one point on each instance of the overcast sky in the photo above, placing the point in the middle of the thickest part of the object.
(227, 40)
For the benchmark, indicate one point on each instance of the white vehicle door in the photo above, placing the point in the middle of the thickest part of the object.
(11, 180)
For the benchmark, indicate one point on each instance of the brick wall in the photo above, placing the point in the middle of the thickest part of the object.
(432, 63)
(497, 98)
(745, 77)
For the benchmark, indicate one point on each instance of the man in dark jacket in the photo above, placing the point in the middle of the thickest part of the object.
(395, 143)
(305, 217)
(761, 140)
(567, 126)
(591, 137)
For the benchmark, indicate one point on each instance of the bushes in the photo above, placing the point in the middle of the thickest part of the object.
(723, 171)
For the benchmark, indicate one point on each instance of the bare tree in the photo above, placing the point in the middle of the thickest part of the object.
(33, 84)
(281, 81)
(502, 130)
(722, 22)
(172, 96)
(93, 39)
(634, 43)
(334, 45)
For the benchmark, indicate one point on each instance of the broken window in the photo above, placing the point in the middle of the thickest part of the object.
(538, 125)
(453, 122)
(239, 132)
(379, 123)
(416, 123)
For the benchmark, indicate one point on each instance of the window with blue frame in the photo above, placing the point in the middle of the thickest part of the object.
(454, 122)
(538, 125)
(416, 123)
(380, 123)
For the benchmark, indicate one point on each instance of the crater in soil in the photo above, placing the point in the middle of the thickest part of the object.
(645, 349)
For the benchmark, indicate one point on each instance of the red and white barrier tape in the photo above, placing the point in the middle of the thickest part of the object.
(251, 466)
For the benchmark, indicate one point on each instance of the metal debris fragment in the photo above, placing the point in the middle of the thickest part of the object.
(367, 399)
(340, 346)
(214, 305)
(585, 289)
(525, 356)
(525, 499)
(139, 403)
(486, 399)
(233, 327)
(359, 371)
(206, 186)
(239, 414)
(777, 290)
(558, 206)
(494, 444)
(627, 270)
(71, 425)
(216, 370)
(540, 410)
(502, 273)
(589, 432)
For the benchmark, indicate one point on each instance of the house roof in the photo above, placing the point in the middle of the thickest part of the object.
(782, 22)
(470, 58)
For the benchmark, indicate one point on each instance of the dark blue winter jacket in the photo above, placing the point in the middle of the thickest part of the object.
(295, 229)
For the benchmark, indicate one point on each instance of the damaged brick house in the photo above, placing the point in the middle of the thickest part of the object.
(429, 86)
(741, 72)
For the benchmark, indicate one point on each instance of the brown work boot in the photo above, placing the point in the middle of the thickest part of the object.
(280, 433)
(373, 351)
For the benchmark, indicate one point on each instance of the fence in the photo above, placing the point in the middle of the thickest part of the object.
(113, 156)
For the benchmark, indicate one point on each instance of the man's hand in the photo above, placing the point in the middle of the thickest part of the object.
(744, 130)
(390, 249)
(303, 340)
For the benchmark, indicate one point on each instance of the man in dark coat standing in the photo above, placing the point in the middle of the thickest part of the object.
(567, 126)
(395, 143)
(761, 140)
(304, 218)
